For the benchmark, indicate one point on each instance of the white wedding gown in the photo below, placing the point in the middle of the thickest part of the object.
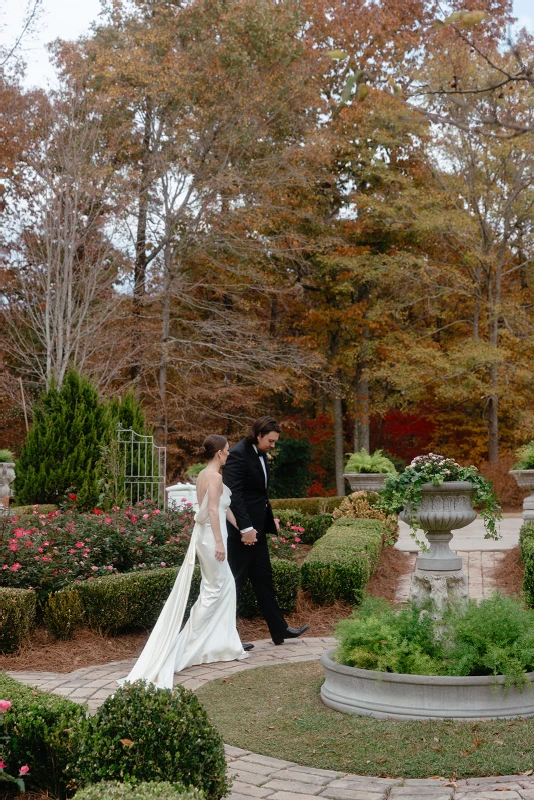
(210, 633)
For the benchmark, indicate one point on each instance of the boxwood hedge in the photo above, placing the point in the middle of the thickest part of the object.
(114, 790)
(339, 565)
(38, 727)
(526, 545)
(135, 599)
(17, 617)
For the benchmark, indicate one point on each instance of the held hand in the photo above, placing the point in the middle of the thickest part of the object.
(249, 537)
(220, 552)
(277, 525)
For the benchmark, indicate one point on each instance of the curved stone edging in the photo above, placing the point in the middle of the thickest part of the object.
(398, 696)
(258, 776)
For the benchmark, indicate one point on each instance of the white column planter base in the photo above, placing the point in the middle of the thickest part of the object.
(395, 696)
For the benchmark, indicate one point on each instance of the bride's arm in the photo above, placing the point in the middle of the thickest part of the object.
(230, 516)
(215, 488)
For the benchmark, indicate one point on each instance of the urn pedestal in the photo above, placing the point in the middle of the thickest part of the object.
(525, 479)
(439, 574)
(366, 481)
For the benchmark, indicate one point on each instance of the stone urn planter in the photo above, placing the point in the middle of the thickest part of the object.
(443, 509)
(397, 696)
(366, 481)
(7, 476)
(525, 479)
(439, 575)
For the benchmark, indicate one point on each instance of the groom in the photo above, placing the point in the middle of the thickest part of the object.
(246, 473)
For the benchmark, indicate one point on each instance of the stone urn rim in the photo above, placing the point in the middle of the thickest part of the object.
(448, 486)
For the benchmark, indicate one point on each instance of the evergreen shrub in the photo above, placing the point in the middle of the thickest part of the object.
(290, 473)
(526, 545)
(17, 617)
(308, 505)
(143, 734)
(135, 599)
(340, 564)
(64, 613)
(114, 790)
(62, 448)
(38, 726)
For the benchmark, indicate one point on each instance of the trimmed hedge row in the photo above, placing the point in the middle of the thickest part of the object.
(341, 563)
(17, 617)
(113, 790)
(135, 599)
(526, 546)
(308, 505)
(38, 726)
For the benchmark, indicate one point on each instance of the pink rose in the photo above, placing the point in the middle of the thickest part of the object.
(5, 705)
(79, 545)
(15, 566)
(24, 770)
(293, 546)
(108, 520)
(163, 564)
(146, 516)
(298, 539)
(2, 765)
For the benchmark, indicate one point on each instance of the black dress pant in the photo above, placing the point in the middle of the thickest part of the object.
(253, 561)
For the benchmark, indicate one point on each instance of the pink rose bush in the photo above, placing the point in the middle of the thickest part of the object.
(286, 544)
(67, 546)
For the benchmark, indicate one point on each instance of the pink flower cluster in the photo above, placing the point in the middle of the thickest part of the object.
(69, 546)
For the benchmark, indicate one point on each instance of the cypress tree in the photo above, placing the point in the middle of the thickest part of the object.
(62, 451)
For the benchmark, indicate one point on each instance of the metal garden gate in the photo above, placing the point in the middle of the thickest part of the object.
(144, 467)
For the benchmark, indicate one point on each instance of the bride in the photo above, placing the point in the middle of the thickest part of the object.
(210, 633)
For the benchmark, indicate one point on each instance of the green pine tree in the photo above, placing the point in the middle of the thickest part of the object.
(62, 451)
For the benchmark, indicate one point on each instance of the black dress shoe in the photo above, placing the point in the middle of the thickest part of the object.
(248, 646)
(291, 633)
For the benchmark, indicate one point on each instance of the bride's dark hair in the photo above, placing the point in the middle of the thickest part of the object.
(212, 444)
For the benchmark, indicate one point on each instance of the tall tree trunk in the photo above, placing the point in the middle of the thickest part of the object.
(339, 449)
(361, 411)
(162, 429)
(141, 259)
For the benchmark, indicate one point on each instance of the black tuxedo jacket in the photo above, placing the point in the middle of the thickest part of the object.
(244, 475)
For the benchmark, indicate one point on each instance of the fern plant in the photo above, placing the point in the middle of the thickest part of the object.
(368, 463)
(6, 457)
(525, 457)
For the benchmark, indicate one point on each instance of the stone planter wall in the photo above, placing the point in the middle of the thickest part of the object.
(396, 696)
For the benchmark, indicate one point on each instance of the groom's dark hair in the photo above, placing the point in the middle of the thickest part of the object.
(261, 427)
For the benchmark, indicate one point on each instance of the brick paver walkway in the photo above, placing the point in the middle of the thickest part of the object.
(257, 776)
(479, 566)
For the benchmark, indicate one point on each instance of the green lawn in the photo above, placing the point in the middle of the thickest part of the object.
(277, 711)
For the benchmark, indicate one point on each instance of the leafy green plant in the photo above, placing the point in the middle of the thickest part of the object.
(38, 726)
(290, 468)
(6, 457)
(114, 790)
(340, 564)
(525, 457)
(195, 469)
(385, 639)
(145, 734)
(405, 490)
(493, 637)
(17, 617)
(370, 463)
